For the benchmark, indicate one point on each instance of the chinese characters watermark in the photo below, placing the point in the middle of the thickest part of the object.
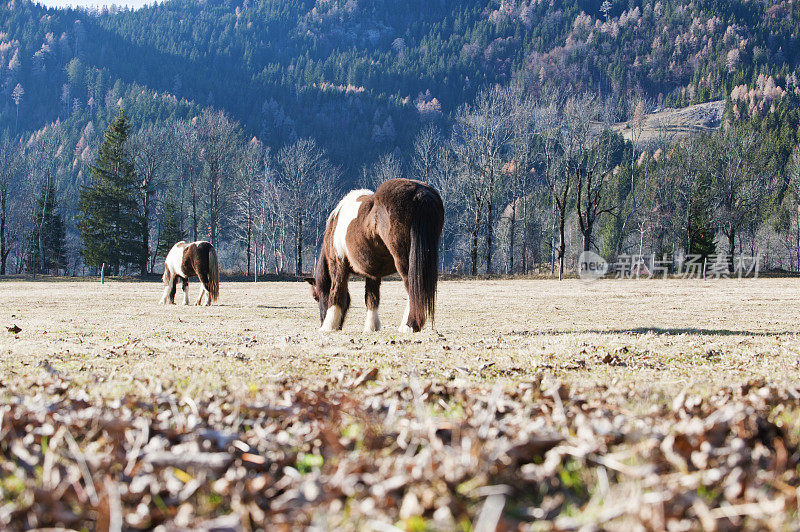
(592, 266)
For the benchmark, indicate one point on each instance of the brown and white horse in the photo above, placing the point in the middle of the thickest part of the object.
(189, 260)
(395, 229)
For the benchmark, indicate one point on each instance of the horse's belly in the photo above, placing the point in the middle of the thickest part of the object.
(372, 263)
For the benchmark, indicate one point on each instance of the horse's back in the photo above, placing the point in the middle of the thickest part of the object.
(401, 194)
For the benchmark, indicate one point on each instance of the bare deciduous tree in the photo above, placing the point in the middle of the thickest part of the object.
(187, 165)
(426, 152)
(10, 160)
(594, 168)
(249, 168)
(219, 139)
(741, 177)
(307, 176)
(385, 168)
(148, 151)
(482, 133)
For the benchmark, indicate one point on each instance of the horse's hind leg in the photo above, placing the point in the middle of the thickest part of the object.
(185, 290)
(372, 298)
(204, 282)
(401, 264)
(200, 296)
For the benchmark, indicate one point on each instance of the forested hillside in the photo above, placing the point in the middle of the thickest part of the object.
(361, 79)
(358, 74)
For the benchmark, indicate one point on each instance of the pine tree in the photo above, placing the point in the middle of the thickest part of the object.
(47, 240)
(701, 225)
(110, 221)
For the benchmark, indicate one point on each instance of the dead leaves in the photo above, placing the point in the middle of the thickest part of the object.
(394, 454)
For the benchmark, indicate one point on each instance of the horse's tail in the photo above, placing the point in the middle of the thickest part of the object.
(427, 220)
(213, 273)
(166, 277)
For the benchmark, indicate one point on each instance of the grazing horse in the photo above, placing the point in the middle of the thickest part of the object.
(394, 229)
(190, 260)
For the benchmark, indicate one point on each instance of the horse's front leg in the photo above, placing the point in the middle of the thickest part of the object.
(167, 288)
(372, 298)
(173, 288)
(185, 291)
(338, 300)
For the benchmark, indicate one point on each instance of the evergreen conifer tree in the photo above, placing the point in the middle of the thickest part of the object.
(110, 221)
(701, 225)
(47, 241)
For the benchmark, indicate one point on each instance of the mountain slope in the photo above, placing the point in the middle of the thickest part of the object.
(362, 75)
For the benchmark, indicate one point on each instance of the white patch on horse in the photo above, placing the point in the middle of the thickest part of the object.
(373, 322)
(347, 209)
(404, 327)
(333, 319)
(174, 259)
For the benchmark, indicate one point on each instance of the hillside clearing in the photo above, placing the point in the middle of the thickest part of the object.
(668, 125)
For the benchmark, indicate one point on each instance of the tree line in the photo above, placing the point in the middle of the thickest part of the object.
(530, 176)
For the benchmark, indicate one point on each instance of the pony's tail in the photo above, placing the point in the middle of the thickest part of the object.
(166, 277)
(427, 219)
(213, 273)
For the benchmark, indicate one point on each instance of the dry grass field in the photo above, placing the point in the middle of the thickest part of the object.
(534, 404)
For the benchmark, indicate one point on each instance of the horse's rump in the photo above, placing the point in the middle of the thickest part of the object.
(203, 260)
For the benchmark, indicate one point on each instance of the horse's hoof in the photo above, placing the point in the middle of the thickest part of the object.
(405, 329)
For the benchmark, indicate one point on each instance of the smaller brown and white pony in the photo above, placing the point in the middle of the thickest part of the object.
(195, 259)
(395, 229)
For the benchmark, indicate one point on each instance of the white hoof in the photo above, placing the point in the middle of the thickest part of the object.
(405, 329)
(372, 323)
(333, 319)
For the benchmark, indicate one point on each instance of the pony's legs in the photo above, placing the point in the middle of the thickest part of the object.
(205, 281)
(404, 326)
(200, 297)
(173, 287)
(167, 288)
(185, 291)
(339, 301)
(372, 298)
(401, 263)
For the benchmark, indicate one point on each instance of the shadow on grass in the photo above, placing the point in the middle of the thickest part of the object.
(678, 331)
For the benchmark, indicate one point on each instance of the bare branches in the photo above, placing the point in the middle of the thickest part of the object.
(306, 176)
